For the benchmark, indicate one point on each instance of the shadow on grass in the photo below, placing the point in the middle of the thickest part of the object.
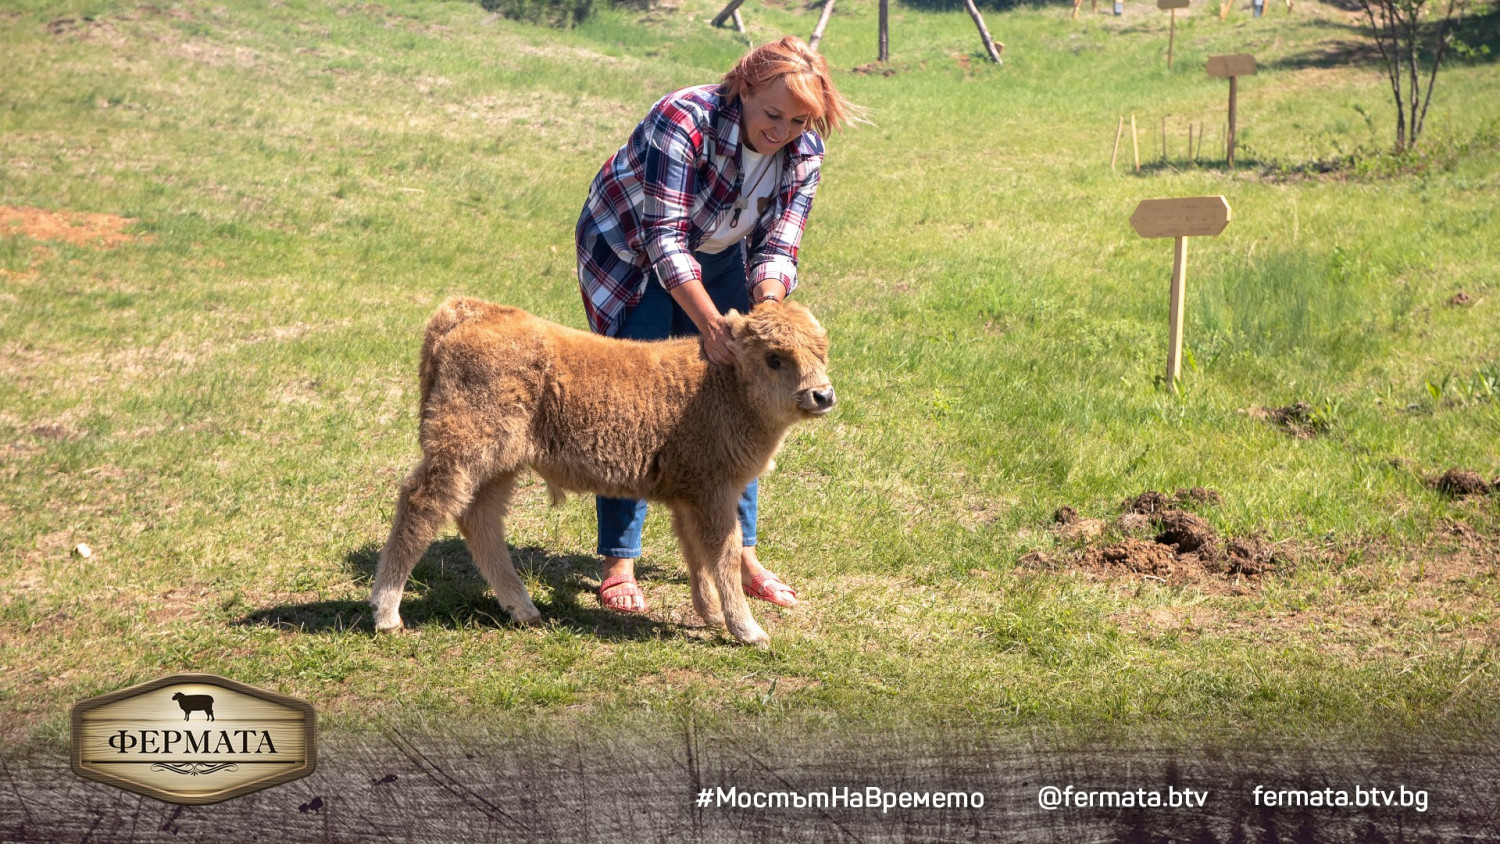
(453, 595)
(1353, 44)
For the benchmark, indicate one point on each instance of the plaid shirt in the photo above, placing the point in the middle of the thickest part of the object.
(668, 188)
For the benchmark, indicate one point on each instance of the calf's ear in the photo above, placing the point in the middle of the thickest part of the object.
(736, 322)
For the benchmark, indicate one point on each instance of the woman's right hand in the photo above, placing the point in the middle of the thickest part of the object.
(718, 341)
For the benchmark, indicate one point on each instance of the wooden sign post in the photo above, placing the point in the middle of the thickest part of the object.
(1174, 5)
(1194, 216)
(1233, 66)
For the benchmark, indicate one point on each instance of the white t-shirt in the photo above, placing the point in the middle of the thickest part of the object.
(762, 173)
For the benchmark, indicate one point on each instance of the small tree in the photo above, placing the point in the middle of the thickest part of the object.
(1407, 40)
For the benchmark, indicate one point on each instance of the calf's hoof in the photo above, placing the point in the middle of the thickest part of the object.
(389, 628)
(528, 616)
(755, 638)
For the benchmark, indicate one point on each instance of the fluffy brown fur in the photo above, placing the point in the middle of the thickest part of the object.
(503, 390)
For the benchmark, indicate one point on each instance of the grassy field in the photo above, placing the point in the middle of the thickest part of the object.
(220, 399)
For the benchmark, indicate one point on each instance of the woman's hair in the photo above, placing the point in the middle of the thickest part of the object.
(807, 79)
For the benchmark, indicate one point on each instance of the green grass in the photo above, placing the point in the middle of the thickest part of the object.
(222, 407)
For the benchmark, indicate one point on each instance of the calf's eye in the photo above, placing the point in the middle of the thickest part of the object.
(773, 361)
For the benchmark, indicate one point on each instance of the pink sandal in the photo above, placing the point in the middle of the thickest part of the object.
(624, 586)
(766, 586)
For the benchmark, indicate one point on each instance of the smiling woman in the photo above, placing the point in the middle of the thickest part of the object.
(671, 206)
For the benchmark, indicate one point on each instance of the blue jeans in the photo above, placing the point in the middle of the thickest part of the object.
(656, 317)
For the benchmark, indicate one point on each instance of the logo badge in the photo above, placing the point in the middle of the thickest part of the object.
(194, 738)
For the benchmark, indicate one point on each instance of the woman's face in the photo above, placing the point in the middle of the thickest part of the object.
(772, 117)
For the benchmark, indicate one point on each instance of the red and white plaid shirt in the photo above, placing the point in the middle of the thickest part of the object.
(668, 188)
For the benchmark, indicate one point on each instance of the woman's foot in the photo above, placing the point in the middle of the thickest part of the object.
(762, 584)
(618, 591)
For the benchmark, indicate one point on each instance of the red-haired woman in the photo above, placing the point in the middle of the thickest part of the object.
(699, 212)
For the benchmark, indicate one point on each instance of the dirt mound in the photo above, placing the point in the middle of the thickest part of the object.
(1460, 299)
(1300, 419)
(1461, 482)
(1189, 533)
(1148, 503)
(1133, 523)
(79, 229)
(1153, 503)
(1134, 556)
(1159, 540)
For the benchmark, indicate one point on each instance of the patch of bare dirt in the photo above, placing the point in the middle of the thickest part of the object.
(105, 231)
(1459, 483)
(873, 69)
(1460, 299)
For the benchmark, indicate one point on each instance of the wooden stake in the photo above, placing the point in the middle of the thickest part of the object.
(1174, 327)
(1134, 146)
(1119, 130)
(1171, 40)
(1233, 86)
(1076, 4)
(822, 22)
(739, 22)
(885, 31)
(984, 33)
(724, 15)
(1095, 10)
(1224, 8)
(1164, 138)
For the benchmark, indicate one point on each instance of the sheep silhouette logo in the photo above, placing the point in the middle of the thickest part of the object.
(193, 703)
(150, 739)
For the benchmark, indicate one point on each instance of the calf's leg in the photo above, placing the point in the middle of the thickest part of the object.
(483, 527)
(713, 526)
(433, 493)
(700, 568)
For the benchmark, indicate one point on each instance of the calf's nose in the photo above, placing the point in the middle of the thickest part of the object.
(823, 398)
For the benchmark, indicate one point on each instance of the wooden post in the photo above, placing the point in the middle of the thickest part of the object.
(984, 33)
(1174, 325)
(739, 22)
(1095, 9)
(1196, 216)
(885, 39)
(1119, 130)
(1224, 8)
(1232, 66)
(1076, 4)
(1173, 5)
(1135, 147)
(822, 22)
(1171, 39)
(724, 15)
(1233, 84)
(1164, 138)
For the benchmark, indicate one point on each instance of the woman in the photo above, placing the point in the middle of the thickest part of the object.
(699, 212)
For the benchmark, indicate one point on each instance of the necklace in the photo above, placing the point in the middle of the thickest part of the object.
(744, 201)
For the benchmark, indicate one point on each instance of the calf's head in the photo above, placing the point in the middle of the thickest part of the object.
(783, 361)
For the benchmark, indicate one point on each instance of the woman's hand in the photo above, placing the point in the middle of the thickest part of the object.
(718, 341)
